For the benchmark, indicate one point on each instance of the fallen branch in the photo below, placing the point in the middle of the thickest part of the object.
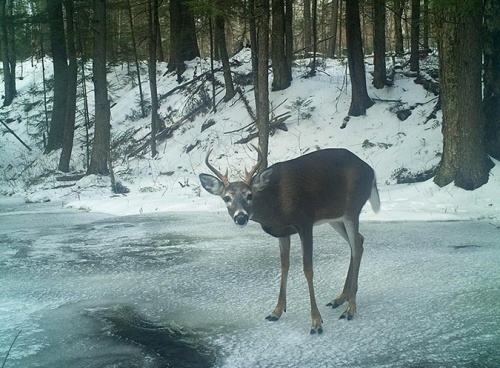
(167, 132)
(181, 86)
(15, 135)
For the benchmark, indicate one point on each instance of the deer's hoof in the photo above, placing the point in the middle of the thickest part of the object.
(347, 315)
(272, 318)
(333, 304)
(319, 330)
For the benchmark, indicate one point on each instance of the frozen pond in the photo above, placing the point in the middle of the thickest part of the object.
(192, 290)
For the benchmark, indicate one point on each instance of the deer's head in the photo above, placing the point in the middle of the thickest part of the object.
(238, 195)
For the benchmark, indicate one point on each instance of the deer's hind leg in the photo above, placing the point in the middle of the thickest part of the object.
(355, 240)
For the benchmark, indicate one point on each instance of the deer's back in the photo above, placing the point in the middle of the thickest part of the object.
(322, 185)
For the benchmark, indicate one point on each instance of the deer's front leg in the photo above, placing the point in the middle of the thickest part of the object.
(306, 238)
(285, 265)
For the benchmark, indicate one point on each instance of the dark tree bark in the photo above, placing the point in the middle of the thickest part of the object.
(289, 37)
(360, 101)
(160, 55)
(379, 68)
(136, 58)
(312, 72)
(152, 46)
(220, 40)
(59, 56)
(281, 74)
(415, 36)
(183, 42)
(69, 128)
(8, 57)
(102, 128)
(398, 29)
(307, 28)
(464, 158)
(261, 53)
(491, 99)
(334, 26)
(426, 25)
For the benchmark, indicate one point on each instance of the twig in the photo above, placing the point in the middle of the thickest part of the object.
(10, 348)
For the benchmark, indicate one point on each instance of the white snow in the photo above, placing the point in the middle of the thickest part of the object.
(169, 182)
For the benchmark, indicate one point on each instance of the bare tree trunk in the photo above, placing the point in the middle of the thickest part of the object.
(278, 48)
(58, 42)
(334, 26)
(102, 127)
(360, 101)
(464, 158)
(415, 36)
(379, 71)
(307, 27)
(220, 40)
(289, 37)
(491, 99)
(8, 57)
(69, 128)
(398, 29)
(183, 41)
(152, 44)
(262, 85)
(136, 59)
(314, 36)
(426, 25)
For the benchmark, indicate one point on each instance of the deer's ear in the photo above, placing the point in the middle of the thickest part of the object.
(260, 181)
(211, 184)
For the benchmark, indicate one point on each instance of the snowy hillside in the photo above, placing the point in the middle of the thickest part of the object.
(316, 107)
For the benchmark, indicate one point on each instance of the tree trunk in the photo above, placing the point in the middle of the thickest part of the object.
(312, 72)
(152, 45)
(58, 42)
(398, 29)
(69, 128)
(426, 25)
(262, 85)
(136, 58)
(464, 158)
(102, 128)
(340, 44)
(289, 38)
(220, 40)
(8, 57)
(379, 69)
(491, 102)
(334, 26)
(415, 36)
(307, 28)
(183, 42)
(360, 100)
(278, 54)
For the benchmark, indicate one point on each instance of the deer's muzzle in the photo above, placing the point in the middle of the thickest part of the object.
(241, 218)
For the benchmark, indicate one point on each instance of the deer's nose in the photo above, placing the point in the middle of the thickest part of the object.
(241, 219)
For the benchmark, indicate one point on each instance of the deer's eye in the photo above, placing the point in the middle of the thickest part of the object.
(249, 196)
(227, 199)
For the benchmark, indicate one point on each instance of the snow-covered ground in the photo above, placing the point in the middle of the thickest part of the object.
(164, 289)
(169, 182)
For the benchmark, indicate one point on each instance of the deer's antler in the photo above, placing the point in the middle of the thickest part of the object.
(253, 170)
(223, 178)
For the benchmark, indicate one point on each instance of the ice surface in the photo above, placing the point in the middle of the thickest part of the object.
(89, 290)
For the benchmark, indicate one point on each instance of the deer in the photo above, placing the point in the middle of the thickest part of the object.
(325, 186)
